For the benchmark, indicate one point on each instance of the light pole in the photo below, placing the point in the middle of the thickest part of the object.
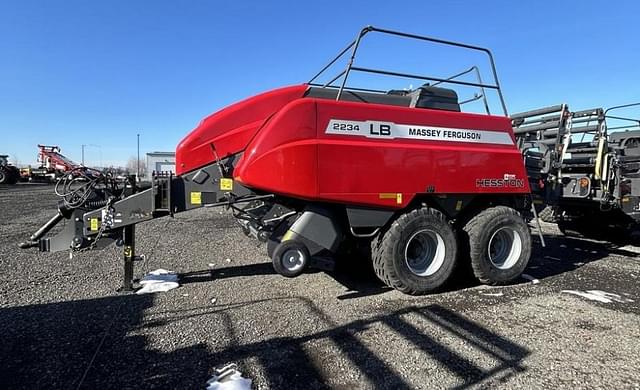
(138, 160)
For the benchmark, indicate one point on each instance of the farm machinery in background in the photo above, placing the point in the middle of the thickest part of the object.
(584, 168)
(327, 169)
(9, 174)
(53, 165)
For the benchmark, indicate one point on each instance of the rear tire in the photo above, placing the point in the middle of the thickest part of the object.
(417, 254)
(3, 176)
(499, 245)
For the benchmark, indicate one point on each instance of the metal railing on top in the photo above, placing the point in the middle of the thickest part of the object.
(635, 121)
(353, 46)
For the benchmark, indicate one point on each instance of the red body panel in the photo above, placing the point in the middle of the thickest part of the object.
(292, 155)
(230, 129)
(283, 157)
(358, 169)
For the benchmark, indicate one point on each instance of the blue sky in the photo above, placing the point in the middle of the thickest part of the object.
(96, 73)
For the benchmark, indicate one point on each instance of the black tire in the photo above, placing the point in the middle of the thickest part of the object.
(9, 175)
(283, 255)
(425, 233)
(494, 230)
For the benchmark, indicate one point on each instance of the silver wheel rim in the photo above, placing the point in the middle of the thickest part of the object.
(505, 248)
(293, 259)
(424, 252)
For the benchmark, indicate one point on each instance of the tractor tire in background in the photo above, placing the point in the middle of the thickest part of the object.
(417, 253)
(8, 176)
(499, 245)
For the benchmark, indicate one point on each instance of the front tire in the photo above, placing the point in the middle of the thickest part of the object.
(290, 258)
(417, 254)
(499, 245)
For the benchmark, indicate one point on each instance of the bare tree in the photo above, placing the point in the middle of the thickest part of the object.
(132, 166)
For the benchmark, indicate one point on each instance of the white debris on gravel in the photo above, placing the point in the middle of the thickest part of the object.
(228, 378)
(531, 278)
(159, 280)
(498, 294)
(630, 248)
(600, 296)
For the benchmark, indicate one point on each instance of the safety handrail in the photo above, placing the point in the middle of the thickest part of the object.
(354, 49)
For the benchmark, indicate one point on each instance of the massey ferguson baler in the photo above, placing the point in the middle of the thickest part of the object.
(324, 169)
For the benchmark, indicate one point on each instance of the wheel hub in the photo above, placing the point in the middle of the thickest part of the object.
(505, 248)
(293, 259)
(424, 252)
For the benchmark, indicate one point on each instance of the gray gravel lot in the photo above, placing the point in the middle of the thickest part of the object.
(64, 325)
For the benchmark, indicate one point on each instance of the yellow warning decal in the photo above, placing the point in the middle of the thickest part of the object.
(391, 195)
(287, 236)
(93, 224)
(127, 251)
(459, 205)
(226, 184)
(196, 197)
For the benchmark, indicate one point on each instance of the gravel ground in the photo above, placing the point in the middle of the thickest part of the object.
(64, 325)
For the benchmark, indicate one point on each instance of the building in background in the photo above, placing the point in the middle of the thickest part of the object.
(160, 162)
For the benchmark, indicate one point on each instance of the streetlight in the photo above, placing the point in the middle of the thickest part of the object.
(138, 160)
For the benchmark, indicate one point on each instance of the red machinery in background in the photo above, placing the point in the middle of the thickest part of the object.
(53, 164)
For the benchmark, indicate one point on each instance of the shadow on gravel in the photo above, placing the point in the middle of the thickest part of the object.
(209, 275)
(565, 254)
(54, 346)
(292, 362)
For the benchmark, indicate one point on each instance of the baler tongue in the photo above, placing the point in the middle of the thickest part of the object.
(102, 210)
